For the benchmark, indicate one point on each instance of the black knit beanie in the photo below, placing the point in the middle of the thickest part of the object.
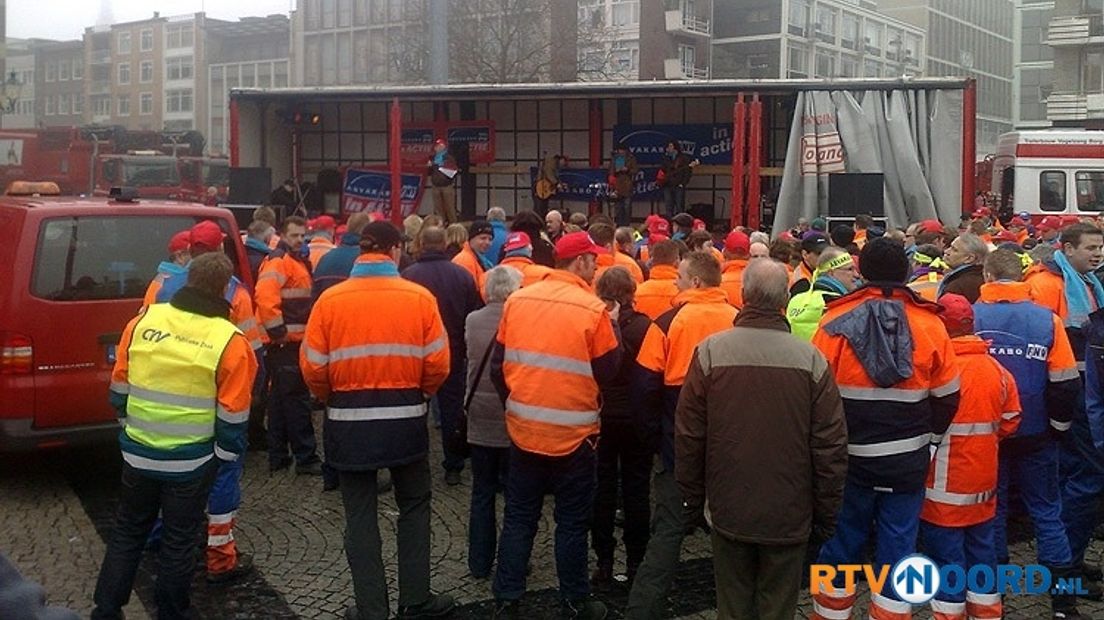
(884, 260)
(480, 227)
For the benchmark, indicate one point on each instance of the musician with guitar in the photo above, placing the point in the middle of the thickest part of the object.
(674, 175)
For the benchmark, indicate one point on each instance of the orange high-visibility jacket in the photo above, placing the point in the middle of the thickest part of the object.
(283, 295)
(531, 273)
(669, 345)
(1048, 289)
(374, 375)
(471, 263)
(961, 489)
(617, 259)
(891, 421)
(557, 344)
(927, 285)
(319, 247)
(654, 297)
(732, 280)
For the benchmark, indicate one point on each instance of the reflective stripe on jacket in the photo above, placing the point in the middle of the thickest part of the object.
(889, 332)
(182, 385)
(549, 373)
(374, 375)
(961, 488)
(1030, 341)
(284, 295)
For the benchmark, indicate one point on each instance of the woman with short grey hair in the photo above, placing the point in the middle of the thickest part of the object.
(490, 445)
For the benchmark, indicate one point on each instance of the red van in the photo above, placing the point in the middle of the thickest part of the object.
(73, 271)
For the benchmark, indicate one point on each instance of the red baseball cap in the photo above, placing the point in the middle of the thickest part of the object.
(576, 244)
(699, 225)
(1070, 220)
(1050, 222)
(341, 230)
(982, 212)
(930, 226)
(659, 226)
(737, 241)
(516, 241)
(957, 314)
(323, 222)
(1006, 235)
(207, 234)
(180, 241)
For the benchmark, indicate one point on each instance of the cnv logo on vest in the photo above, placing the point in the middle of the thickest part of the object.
(154, 335)
(916, 579)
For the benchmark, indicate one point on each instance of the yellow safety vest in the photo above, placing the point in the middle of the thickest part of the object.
(173, 361)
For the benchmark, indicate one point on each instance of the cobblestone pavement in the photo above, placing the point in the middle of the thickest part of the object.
(56, 508)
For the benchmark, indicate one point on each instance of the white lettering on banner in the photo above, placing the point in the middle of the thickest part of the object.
(821, 154)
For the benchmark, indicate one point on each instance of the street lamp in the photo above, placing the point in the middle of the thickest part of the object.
(9, 93)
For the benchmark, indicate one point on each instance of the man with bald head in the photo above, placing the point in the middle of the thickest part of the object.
(759, 533)
(554, 224)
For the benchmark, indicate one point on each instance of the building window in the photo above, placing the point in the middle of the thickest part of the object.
(626, 12)
(1092, 72)
(912, 49)
(26, 76)
(146, 43)
(63, 71)
(826, 24)
(872, 68)
(63, 105)
(123, 107)
(179, 100)
(329, 14)
(124, 73)
(78, 104)
(179, 68)
(849, 31)
(179, 35)
(687, 59)
(798, 62)
(625, 57)
(123, 46)
(825, 64)
(145, 104)
(101, 105)
(78, 69)
(51, 72)
(51, 105)
(849, 66)
(799, 17)
(872, 36)
(145, 72)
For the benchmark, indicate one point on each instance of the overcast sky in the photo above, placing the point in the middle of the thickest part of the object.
(67, 19)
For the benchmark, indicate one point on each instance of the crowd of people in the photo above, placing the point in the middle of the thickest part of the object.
(826, 392)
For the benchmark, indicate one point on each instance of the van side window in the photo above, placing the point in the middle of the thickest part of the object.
(1008, 186)
(1052, 190)
(1090, 190)
(101, 257)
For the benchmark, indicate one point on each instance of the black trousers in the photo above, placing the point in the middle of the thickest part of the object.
(364, 548)
(625, 462)
(183, 510)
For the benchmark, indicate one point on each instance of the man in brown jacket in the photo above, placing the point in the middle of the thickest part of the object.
(762, 409)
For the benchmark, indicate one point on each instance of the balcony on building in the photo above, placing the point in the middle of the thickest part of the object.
(676, 69)
(1075, 106)
(1077, 30)
(681, 21)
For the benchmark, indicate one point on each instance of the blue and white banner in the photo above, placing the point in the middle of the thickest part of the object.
(370, 190)
(710, 144)
(587, 184)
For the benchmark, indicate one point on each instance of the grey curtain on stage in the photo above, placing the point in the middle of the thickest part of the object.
(913, 137)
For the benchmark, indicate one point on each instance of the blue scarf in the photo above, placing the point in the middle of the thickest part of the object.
(439, 158)
(487, 263)
(1080, 306)
(830, 284)
(374, 269)
(171, 269)
(618, 162)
